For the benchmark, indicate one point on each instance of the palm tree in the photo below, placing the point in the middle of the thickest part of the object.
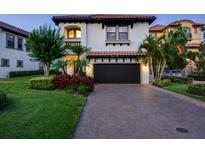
(151, 46)
(161, 51)
(78, 50)
(61, 64)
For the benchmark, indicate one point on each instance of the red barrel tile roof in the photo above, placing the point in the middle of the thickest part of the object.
(101, 54)
(103, 17)
(13, 29)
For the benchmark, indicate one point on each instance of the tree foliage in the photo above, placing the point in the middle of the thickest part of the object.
(163, 51)
(46, 45)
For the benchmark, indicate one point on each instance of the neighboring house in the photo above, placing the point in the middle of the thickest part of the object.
(193, 32)
(114, 41)
(13, 54)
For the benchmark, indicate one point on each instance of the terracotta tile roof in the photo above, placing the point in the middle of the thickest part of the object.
(101, 54)
(13, 29)
(103, 17)
(157, 28)
(175, 23)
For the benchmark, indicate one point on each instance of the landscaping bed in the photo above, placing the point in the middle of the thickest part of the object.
(37, 113)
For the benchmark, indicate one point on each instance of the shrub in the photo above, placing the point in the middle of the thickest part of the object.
(74, 81)
(164, 83)
(197, 89)
(61, 82)
(41, 83)
(199, 77)
(24, 73)
(184, 80)
(88, 81)
(82, 89)
(3, 100)
(70, 89)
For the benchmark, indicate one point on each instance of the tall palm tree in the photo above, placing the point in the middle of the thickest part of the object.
(151, 46)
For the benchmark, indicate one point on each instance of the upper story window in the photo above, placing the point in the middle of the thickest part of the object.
(4, 62)
(10, 40)
(195, 30)
(117, 32)
(154, 35)
(20, 43)
(123, 33)
(73, 33)
(19, 63)
(111, 33)
(187, 32)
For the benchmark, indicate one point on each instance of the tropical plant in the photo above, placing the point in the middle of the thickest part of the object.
(61, 64)
(162, 51)
(200, 62)
(46, 45)
(80, 65)
(79, 50)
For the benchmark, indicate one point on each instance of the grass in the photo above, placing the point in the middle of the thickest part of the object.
(182, 89)
(38, 114)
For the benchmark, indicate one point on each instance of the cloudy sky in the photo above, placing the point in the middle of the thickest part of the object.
(31, 21)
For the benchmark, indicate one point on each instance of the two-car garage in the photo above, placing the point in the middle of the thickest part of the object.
(117, 73)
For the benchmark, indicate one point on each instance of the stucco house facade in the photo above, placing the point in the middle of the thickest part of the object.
(13, 54)
(193, 32)
(114, 41)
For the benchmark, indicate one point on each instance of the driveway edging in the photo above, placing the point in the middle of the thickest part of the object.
(180, 96)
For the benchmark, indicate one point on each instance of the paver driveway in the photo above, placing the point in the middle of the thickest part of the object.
(137, 111)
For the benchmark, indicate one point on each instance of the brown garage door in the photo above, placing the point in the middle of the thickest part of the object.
(117, 73)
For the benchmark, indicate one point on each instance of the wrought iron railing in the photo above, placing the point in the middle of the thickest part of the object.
(73, 43)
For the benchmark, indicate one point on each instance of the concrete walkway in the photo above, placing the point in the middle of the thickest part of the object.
(137, 111)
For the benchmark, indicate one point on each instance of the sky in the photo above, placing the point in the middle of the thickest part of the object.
(33, 21)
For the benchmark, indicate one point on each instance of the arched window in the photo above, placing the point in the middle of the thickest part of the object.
(73, 33)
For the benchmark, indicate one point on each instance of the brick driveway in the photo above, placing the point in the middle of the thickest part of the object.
(137, 111)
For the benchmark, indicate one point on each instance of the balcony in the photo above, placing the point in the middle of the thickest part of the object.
(73, 42)
(188, 36)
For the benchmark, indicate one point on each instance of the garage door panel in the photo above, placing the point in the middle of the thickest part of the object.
(117, 73)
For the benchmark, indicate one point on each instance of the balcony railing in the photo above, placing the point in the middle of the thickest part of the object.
(188, 36)
(73, 43)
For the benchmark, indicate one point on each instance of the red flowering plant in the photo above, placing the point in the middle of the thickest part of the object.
(87, 81)
(61, 81)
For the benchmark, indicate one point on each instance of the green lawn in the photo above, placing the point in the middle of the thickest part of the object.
(38, 114)
(182, 89)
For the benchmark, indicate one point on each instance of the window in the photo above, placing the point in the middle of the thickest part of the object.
(20, 43)
(10, 41)
(74, 33)
(154, 35)
(187, 31)
(111, 33)
(19, 63)
(4, 62)
(123, 33)
(195, 30)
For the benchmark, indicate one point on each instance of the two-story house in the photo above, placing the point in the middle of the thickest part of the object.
(193, 32)
(13, 54)
(114, 41)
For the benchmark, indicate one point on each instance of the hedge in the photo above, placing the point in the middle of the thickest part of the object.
(24, 73)
(13, 74)
(197, 89)
(3, 100)
(164, 83)
(41, 83)
(197, 77)
(184, 80)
